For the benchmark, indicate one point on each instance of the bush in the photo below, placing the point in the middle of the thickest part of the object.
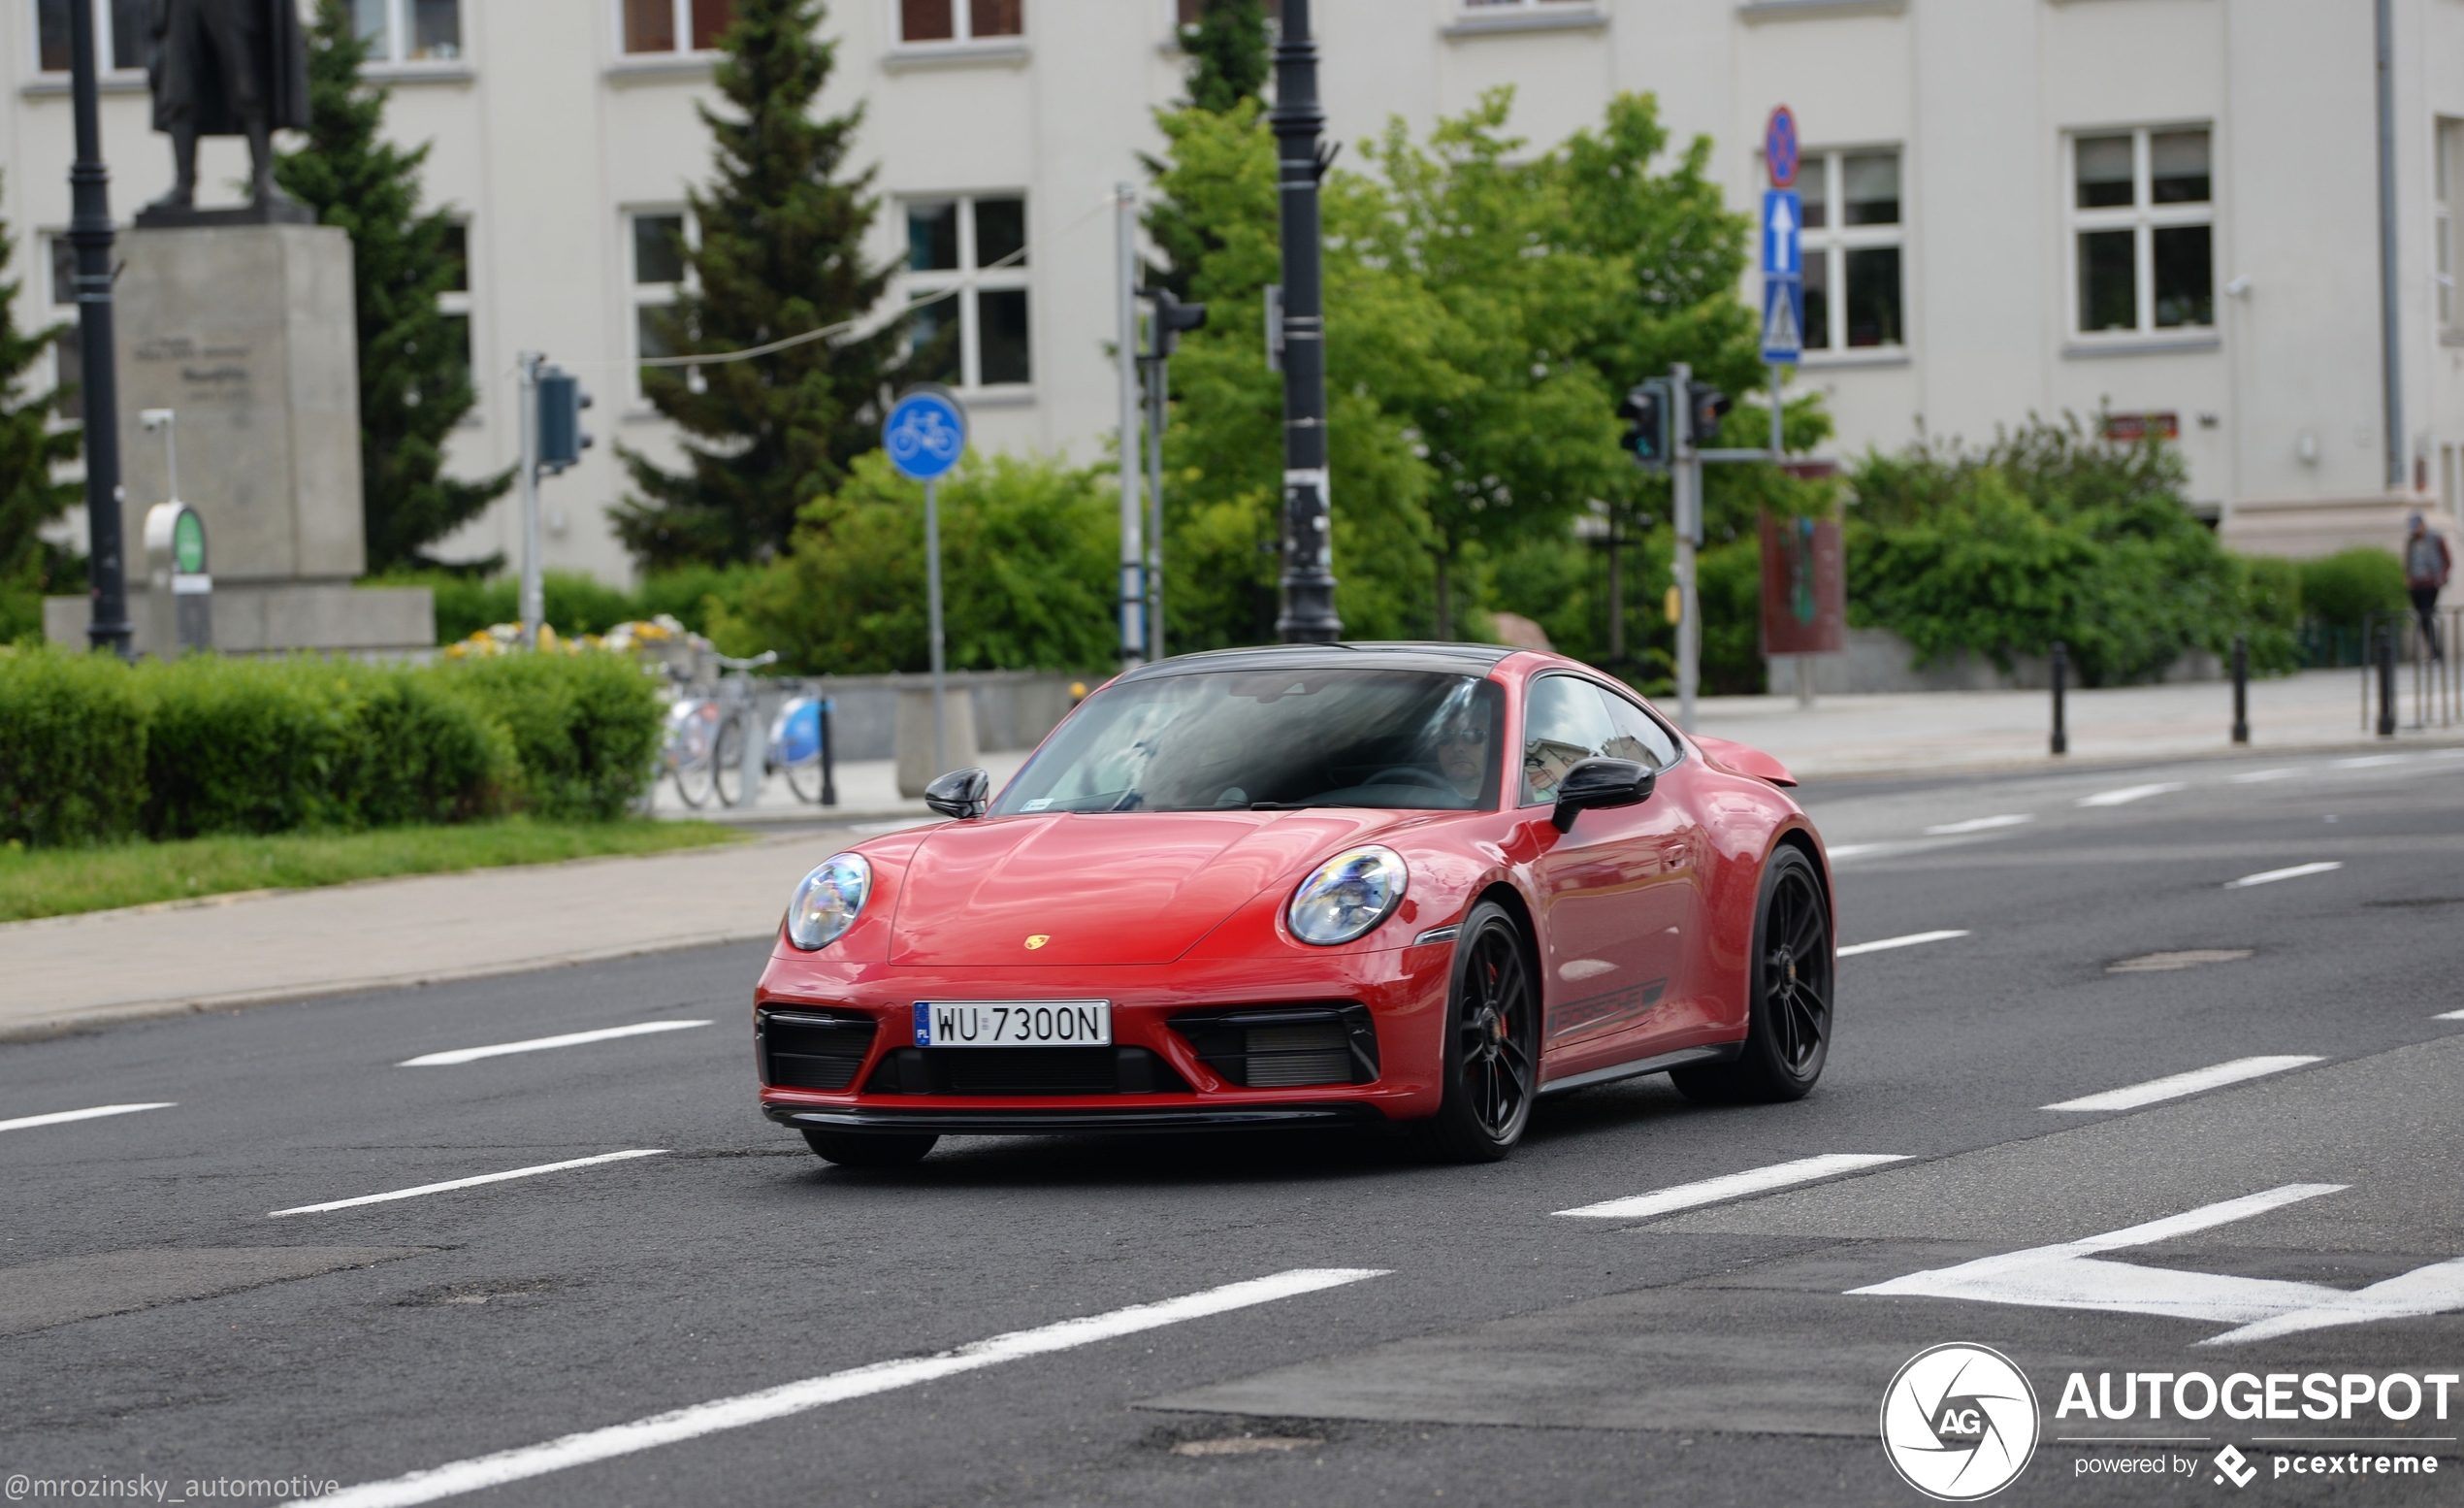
(72, 748)
(2339, 590)
(585, 727)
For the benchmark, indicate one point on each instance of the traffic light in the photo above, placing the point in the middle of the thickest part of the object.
(1706, 407)
(1172, 316)
(562, 437)
(1645, 412)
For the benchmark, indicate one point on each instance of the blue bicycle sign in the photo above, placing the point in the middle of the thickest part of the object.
(925, 433)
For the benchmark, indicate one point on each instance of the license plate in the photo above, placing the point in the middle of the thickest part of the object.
(1014, 1023)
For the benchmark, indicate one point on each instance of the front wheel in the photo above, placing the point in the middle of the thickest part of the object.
(1788, 1028)
(1492, 1043)
(804, 778)
(865, 1149)
(727, 754)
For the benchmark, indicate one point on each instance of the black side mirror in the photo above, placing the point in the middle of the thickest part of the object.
(1598, 782)
(961, 793)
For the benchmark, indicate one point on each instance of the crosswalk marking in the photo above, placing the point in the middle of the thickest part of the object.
(1734, 1186)
(2174, 1086)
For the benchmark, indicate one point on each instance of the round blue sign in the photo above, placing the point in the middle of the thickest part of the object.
(1779, 147)
(925, 433)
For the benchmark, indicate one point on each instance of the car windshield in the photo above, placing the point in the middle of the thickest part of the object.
(1263, 740)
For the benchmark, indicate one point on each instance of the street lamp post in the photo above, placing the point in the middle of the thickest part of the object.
(91, 233)
(1307, 616)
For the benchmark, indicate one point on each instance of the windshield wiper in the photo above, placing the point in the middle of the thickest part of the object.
(1278, 805)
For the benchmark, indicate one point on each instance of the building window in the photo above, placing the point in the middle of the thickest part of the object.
(658, 242)
(2444, 194)
(675, 25)
(2142, 231)
(411, 31)
(960, 21)
(122, 33)
(68, 357)
(1852, 242)
(966, 283)
(454, 303)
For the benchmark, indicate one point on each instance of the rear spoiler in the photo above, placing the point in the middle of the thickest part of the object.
(1738, 759)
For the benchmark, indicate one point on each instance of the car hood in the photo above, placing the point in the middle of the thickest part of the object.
(1125, 888)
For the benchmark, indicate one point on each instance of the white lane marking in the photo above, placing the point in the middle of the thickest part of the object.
(1734, 1186)
(466, 1183)
(2174, 1086)
(2254, 777)
(2131, 793)
(1850, 850)
(63, 1117)
(542, 1043)
(2069, 1276)
(2452, 1015)
(2009, 819)
(2271, 876)
(1908, 941)
(2373, 760)
(812, 1392)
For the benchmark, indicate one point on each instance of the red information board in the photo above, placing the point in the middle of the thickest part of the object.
(1804, 587)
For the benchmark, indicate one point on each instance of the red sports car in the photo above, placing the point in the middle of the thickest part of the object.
(1300, 886)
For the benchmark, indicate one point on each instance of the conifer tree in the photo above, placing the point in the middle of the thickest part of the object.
(780, 252)
(1227, 51)
(414, 363)
(30, 447)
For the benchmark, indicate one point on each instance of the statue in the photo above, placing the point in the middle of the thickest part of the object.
(226, 68)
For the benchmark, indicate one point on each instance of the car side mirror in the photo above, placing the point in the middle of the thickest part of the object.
(1599, 782)
(962, 794)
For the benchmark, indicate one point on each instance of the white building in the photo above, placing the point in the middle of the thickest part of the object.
(2167, 207)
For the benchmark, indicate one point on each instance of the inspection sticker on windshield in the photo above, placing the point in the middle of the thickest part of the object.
(1014, 1023)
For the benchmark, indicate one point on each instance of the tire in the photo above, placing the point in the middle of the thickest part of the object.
(867, 1149)
(1789, 1014)
(693, 782)
(1492, 1043)
(804, 778)
(727, 762)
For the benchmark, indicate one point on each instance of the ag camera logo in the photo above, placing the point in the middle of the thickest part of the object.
(1959, 1422)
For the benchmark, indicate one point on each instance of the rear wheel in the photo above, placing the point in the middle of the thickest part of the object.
(1788, 1030)
(1492, 1043)
(804, 778)
(865, 1149)
(726, 755)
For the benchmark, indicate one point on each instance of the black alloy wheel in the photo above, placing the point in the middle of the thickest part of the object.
(1788, 1030)
(869, 1149)
(1492, 1047)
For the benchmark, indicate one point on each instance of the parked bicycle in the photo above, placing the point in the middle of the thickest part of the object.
(707, 735)
(800, 744)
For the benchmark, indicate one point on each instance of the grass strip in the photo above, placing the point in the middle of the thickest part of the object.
(59, 881)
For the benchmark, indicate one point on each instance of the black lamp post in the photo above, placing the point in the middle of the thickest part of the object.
(1307, 616)
(91, 233)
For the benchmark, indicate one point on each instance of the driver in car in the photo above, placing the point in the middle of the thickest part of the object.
(1463, 755)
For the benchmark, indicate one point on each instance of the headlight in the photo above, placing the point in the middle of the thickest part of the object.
(1347, 896)
(827, 901)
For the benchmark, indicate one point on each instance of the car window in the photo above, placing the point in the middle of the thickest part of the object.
(1639, 735)
(1564, 723)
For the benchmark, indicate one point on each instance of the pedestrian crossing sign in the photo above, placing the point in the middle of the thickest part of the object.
(1783, 319)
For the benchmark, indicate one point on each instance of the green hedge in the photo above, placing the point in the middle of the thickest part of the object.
(92, 750)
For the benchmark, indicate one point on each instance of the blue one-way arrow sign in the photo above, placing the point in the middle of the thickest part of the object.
(1783, 216)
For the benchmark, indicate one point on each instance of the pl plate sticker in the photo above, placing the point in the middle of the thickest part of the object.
(1959, 1422)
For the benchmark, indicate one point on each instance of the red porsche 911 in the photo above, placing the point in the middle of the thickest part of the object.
(1304, 886)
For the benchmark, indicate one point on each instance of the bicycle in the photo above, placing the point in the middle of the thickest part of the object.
(707, 735)
(800, 744)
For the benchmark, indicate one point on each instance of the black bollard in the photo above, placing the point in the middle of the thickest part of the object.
(2386, 680)
(830, 778)
(2061, 673)
(2241, 689)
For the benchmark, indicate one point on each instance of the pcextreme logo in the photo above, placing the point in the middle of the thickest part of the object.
(1959, 1422)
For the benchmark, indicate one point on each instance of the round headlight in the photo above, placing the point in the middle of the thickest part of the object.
(1347, 896)
(827, 901)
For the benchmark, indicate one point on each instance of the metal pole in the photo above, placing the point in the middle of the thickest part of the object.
(1616, 595)
(1158, 375)
(1307, 614)
(932, 602)
(2391, 367)
(1133, 558)
(2386, 680)
(91, 233)
(2061, 668)
(533, 586)
(1685, 477)
(2241, 689)
(1779, 442)
(829, 773)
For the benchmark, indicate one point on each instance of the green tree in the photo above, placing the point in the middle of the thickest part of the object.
(1227, 52)
(30, 447)
(415, 360)
(780, 254)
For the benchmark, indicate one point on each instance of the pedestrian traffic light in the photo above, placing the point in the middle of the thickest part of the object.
(1172, 316)
(1645, 412)
(1706, 407)
(562, 439)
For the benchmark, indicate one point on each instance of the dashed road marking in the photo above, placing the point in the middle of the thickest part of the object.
(1908, 941)
(2131, 793)
(1851, 850)
(542, 1043)
(2254, 777)
(63, 1117)
(812, 1392)
(2167, 963)
(2296, 871)
(2452, 1015)
(466, 1183)
(2176, 1086)
(2010, 819)
(1734, 1186)
(2372, 761)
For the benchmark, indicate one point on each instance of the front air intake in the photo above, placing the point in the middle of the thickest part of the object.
(1285, 1047)
(800, 1049)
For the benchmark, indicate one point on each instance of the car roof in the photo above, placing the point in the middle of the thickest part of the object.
(1396, 655)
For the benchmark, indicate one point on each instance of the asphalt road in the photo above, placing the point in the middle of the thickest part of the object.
(1462, 1340)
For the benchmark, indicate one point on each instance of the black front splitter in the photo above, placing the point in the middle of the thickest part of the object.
(1073, 1123)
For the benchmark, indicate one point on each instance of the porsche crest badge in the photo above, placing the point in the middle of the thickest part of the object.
(1038, 941)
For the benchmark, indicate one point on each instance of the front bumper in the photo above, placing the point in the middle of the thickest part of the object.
(1074, 1122)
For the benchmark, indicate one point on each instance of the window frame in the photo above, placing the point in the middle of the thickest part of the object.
(2447, 187)
(398, 28)
(640, 295)
(680, 16)
(1834, 240)
(2143, 217)
(102, 43)
(1514, 772)
(967, 280)
(962, 30)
